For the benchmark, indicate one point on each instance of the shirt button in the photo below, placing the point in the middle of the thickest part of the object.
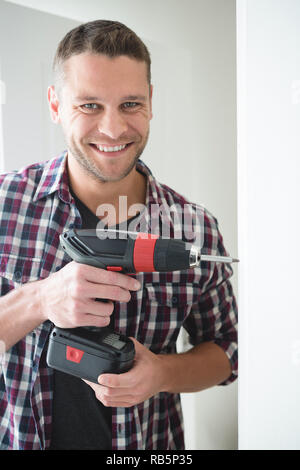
(18, 275)
(174, 299)
(121, 428)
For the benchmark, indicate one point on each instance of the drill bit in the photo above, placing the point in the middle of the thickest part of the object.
(196, 257)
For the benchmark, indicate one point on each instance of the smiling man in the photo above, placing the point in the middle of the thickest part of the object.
(102, 98)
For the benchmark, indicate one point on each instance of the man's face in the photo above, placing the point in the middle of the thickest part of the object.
(105, 110)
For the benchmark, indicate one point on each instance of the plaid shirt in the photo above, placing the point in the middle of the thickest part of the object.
(36, 207)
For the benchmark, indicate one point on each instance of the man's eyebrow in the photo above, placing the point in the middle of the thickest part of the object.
(134, 98)
(87, 98)
(125, 98)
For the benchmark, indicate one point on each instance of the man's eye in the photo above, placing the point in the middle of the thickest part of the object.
(89, 106)
(130, 104)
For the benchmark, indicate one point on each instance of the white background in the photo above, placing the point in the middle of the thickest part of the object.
(192, 145)
(268, 58)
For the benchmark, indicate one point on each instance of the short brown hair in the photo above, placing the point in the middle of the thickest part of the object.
(110, 38)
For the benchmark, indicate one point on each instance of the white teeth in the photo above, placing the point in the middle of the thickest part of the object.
(110, 149)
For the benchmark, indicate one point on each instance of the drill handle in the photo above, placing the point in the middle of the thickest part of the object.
(86, 247)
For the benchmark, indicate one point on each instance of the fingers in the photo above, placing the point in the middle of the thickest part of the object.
(68, 297)
(88, 284)
(95, 320)
(101, 276)
(101, 291)
(96, 314)
(132, 387)
(112, 397)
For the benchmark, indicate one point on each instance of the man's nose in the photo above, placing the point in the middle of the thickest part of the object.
(112, 124)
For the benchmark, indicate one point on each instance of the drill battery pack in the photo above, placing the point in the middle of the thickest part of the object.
(88, 352)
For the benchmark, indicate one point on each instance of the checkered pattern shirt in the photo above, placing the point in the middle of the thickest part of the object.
(36, 207)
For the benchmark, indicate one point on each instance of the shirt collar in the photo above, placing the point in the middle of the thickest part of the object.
(55, 178)
(152, 184)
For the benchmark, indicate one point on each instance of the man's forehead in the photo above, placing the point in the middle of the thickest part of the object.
(88, 74)
(100, 64)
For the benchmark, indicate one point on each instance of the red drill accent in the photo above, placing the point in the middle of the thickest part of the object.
(143, 253)
(74, 354)
(114, 268)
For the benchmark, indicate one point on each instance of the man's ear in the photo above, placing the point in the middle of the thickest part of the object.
(53, 104)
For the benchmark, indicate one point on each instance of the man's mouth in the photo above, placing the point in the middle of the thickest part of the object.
(111, 150)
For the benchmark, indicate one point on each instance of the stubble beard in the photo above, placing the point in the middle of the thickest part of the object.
(90, 167)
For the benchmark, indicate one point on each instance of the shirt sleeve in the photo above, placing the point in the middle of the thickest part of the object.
(215, 317)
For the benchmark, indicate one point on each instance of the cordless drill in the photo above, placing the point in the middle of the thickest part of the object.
(87, 352)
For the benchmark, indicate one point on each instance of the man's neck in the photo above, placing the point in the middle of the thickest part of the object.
(98, 195)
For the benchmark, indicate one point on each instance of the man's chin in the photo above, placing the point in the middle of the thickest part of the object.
(108, 171)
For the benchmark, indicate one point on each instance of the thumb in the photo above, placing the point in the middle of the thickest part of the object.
(139, 348)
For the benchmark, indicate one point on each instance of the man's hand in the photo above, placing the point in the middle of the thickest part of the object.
(204, 366)
(144, 380)
(67, 297)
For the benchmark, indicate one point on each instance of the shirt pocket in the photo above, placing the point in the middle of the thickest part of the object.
(164, 309)
(18, 270)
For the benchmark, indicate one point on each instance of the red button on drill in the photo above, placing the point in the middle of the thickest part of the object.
(74, 355)
(114, 268)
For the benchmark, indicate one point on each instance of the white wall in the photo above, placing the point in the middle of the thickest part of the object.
(192, 144)
(28, 41)
(2, 101)
(268, 39)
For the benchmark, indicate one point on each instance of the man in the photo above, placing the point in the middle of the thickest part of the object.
(103, 99)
